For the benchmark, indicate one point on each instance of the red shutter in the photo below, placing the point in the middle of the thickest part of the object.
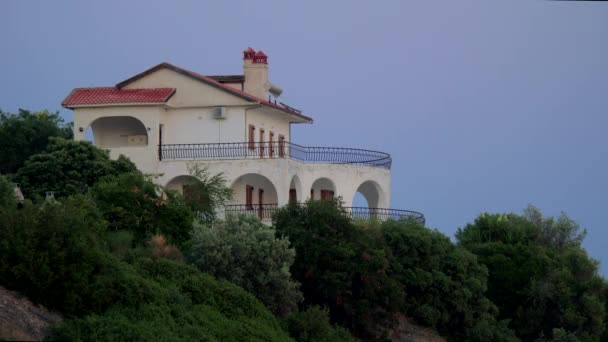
(251, 137)
(249, 197)
(261, 143)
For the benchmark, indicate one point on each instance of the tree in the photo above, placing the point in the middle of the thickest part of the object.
(27, 133)
(207, 193)
(341, 266)
(539, 275)
(68, 167)
(247, 253)
(132, 202)
(444, 285)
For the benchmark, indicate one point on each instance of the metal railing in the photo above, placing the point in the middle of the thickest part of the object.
(276, 149)
(265, 212)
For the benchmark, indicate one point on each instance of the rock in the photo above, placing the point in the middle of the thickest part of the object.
(21, 320)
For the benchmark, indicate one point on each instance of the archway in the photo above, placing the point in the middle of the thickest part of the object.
(295, 190)
(118, 131)
(181, 184)
(255, 194)
(323, 189)
(368, 192)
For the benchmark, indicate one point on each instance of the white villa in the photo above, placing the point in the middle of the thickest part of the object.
(167, 117)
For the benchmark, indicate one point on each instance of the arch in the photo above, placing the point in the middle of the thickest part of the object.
(119, 131)
(261, 187)
(181, 183)
(322, 188)
(295, 189)
(372, 192)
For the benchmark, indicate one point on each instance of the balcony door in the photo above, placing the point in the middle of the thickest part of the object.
(260, 203)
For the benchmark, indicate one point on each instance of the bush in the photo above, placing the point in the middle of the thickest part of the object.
(193, 306)
(341, 266)
(68, 168)
(313, 325)
(539, 275)
(27, 133)
(246, 252)
(130, 202)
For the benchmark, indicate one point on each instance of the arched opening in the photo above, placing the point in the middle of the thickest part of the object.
(368, 194)
(366, 201)
(118, 131)
(255, 194)
(323, 189)
(182, 185)
(295, 190)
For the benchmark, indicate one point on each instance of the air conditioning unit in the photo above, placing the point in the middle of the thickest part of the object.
(137, 140)
(219, 113)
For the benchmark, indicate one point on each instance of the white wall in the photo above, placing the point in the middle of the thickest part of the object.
(198, 126)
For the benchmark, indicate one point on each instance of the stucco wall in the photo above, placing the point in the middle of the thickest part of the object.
(268, 121)
(198, 126)
(190, 92)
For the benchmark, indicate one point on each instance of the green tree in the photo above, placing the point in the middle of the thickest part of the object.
(539, 275)
(206, 193)
(247, 253)
(312, 325)
(27, 133)
(444, 285)
(132, 202)
(341, 266)
(68, 167)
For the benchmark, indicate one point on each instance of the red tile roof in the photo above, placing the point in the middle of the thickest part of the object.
(212, 82)
(113, 95)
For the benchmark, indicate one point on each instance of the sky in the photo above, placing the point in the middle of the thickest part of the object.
(485, 106)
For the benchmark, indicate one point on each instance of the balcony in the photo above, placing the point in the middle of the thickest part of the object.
(280, 149)
(265, 211)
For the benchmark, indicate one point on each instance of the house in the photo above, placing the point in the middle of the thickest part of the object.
(167, 117)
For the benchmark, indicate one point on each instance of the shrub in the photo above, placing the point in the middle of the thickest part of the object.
(246, 252)
(539, 275)
(27, 133)
(130, 202)
(312, 325)
(341, 266)
(67, 168)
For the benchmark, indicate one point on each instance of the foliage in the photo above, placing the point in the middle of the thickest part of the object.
(27, 133)
(207, 193)
(246, 252)
(52, 253)
(7, 193)
(443, 283)
(192, 306)
(312, 325)
(539, 275)
(341, 266)
(131, 202)
(67, 168)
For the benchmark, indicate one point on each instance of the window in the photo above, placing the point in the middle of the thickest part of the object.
(293, 196)
(261, 143)
(249, 197)
(271, 144)
(281, 146)
(327, 195)
(251, 137)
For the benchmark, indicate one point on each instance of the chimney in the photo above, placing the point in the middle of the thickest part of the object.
(255, 70)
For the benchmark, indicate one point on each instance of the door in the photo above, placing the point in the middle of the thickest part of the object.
(260, 203)
(249, 197)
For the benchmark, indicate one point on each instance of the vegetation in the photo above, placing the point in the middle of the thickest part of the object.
(246, 252)
(122, 258)
(68, 167)
(26, 133)
(539, 275)
(132, 202)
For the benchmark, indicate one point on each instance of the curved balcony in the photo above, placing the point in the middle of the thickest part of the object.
(265, 212)
(280, 149)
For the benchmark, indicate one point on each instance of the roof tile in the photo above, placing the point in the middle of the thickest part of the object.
(113, 95)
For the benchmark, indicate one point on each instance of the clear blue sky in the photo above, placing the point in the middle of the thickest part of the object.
(484, 105)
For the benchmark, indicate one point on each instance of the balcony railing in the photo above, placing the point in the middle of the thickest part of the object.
(265, 212)
(276, 149)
